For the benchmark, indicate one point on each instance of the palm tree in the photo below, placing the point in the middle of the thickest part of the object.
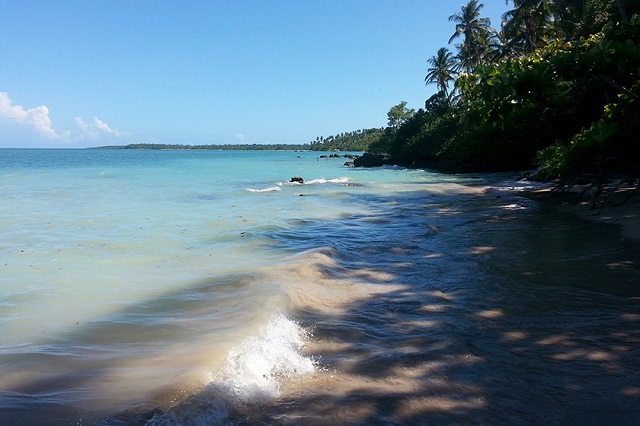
(533, 23)
(442, 70)
(499, 47)
(579, 18)
(475, 30)
(528, 24)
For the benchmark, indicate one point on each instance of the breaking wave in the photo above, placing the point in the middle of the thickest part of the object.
(253, 374)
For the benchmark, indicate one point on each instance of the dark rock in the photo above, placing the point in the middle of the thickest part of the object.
(297, 179)
(371, 160)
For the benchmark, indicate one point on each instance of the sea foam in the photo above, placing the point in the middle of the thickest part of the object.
(253, 374)
(268, 189)
(256, 367)
(323, 181)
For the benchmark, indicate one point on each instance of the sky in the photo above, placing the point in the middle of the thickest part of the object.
(76, 73)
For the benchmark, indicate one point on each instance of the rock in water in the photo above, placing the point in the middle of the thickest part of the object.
(371, 160)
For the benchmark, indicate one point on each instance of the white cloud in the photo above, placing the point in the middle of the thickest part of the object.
(98, 128)
(239, 137)
(33, 127)
(35, 118)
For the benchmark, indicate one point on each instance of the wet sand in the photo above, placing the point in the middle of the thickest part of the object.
(422, 340)
(626, 214)
(472, 307)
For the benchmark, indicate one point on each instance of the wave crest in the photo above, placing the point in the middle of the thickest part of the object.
(253, 374)
(256, 367)
(323, 181)
(268, 189)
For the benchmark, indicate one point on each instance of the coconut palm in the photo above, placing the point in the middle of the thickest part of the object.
(528, 25)
(442, 70)
(475, 31)
(579, 18)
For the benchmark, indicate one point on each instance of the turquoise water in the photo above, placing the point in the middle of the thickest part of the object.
(203, 287)
(83, 229)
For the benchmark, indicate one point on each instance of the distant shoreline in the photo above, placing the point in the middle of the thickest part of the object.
(211, 147)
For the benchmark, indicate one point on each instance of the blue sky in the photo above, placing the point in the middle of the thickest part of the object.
(77, 73)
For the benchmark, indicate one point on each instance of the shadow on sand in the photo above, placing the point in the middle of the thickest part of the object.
(492, 311)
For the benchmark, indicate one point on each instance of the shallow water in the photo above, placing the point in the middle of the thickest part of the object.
(185, 287)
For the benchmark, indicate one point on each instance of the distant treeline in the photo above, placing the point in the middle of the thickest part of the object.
(227, 147)
(358, 140)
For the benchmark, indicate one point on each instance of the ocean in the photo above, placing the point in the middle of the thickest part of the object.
(169, 287)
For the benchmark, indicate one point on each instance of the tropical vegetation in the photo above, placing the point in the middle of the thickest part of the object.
(356, 141)
(556, 87)
(359, 140)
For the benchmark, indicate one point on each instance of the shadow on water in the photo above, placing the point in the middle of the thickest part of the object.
(506, 312)
(492, 311)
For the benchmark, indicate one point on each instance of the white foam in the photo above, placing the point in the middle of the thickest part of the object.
(519, 185)
(253, 373)
(256, 367)
(268, 189)
(323, 181)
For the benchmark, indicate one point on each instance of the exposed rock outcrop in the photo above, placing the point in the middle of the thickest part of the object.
(371, 160)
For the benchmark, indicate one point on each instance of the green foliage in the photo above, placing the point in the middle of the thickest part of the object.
(419, 140)
(609, 143)
(350, 141)
(360, 140)
(610, 140)
(519, 106)
(399, 114)
(569, 104)
(442, 70)
(475, 32)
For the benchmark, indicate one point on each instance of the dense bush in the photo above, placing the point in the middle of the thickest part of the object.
(568, 106)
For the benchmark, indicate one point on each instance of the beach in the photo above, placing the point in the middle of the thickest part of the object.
(623, 210)
(394, 347)
(167, 288)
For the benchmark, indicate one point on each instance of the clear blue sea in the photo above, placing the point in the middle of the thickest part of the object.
(203, 287)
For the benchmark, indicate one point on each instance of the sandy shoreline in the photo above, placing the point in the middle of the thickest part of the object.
(418, 336)
(454, 315)
(626, 215)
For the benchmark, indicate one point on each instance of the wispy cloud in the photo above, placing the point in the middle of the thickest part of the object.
(96, 129)
(33, 127)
